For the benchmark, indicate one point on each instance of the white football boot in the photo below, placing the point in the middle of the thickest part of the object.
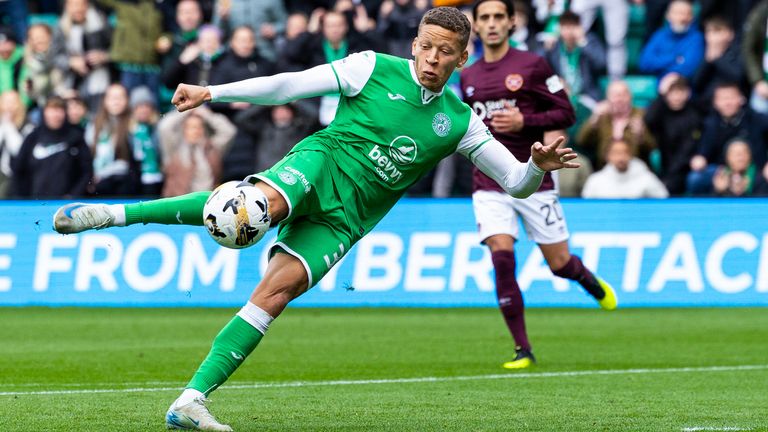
(194, 415)
(76, 217)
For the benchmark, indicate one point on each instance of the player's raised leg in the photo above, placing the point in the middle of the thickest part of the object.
(568, 266)
(181, 210)
(285, 279)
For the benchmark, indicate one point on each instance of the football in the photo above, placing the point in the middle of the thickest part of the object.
(236, 214)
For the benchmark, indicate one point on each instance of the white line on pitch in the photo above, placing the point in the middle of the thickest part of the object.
(433, 379)
(714, 428)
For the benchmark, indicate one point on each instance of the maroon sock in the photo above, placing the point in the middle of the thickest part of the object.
(509, 296)
(574, 269)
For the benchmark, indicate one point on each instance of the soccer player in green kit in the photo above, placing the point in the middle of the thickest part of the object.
(394, 123)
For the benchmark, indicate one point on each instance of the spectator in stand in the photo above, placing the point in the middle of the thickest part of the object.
(398, 23)
(116, 172)
(548, 17)
(616, 21)
(189, 18)
(578, 59)
(81, 42)
(522, 37)
(295, 26)
(11, 61)
(676, 47)
(722, 61)
(275, 130)
(144, 140)
(676, 126)
(755, 55)
(54, 161)
(77, 112)
(334, 42)
(196, 62)
(739, 176)
(192, 145)
(238, 63)
(730, 119)
(616, 119)
(624, 177)
(13, 129)
(17, 14)
(134, 48)
(266, 17)
(41, 78)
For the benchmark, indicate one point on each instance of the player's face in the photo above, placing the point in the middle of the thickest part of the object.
(493, 24)
(437, 53)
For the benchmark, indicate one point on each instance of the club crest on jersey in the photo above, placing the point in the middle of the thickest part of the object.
(513, 82)
(287, 178)
(403, 150)
(441, 124)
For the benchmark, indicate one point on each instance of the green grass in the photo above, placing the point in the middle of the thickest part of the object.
(109, 349)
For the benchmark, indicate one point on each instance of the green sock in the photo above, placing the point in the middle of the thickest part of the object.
(230, 347)
(181, 210)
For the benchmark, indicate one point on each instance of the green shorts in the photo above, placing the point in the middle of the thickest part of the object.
(318, 231)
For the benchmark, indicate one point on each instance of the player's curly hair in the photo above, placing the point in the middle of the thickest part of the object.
(451, 19)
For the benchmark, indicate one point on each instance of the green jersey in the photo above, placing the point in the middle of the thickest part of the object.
(389, 131)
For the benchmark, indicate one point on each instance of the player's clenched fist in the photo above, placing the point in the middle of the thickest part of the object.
(551, 157)
(189, 96)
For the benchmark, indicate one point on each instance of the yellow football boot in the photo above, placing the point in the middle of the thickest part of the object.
(523, 359)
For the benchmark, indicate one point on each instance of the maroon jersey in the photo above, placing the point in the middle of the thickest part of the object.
(526, 81)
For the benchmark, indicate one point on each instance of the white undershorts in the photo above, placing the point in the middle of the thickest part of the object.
(542, 215)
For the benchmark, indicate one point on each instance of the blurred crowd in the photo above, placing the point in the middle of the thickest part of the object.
(671, 96)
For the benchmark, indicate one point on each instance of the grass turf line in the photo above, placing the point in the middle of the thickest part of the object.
(68, 348)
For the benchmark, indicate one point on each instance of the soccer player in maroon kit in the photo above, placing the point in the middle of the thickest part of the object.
(519, 97)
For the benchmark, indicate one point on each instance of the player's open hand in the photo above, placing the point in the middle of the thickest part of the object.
(189, 96)
(551, 157)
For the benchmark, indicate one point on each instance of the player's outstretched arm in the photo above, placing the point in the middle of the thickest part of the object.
(521, 179)
(269, 90)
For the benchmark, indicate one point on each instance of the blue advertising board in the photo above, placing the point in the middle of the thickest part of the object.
(680, 252)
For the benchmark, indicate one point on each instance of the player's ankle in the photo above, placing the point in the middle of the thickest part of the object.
(118, 212)
(187, 396)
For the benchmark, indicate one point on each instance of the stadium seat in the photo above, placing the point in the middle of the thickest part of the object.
(51, 20)
(643, 88)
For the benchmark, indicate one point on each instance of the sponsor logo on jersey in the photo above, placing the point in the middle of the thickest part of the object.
(485, 110)
(384, 166)
(513, 82)
(554, 84)
(441, 124)
(403, 150)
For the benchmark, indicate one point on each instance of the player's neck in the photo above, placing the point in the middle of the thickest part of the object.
(492, 54)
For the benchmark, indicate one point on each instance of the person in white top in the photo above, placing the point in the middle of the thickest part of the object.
(624, 177)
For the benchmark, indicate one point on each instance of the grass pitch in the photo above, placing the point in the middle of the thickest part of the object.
(392, 369)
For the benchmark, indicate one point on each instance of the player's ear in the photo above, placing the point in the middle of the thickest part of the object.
(413, 46)
(463, 59)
